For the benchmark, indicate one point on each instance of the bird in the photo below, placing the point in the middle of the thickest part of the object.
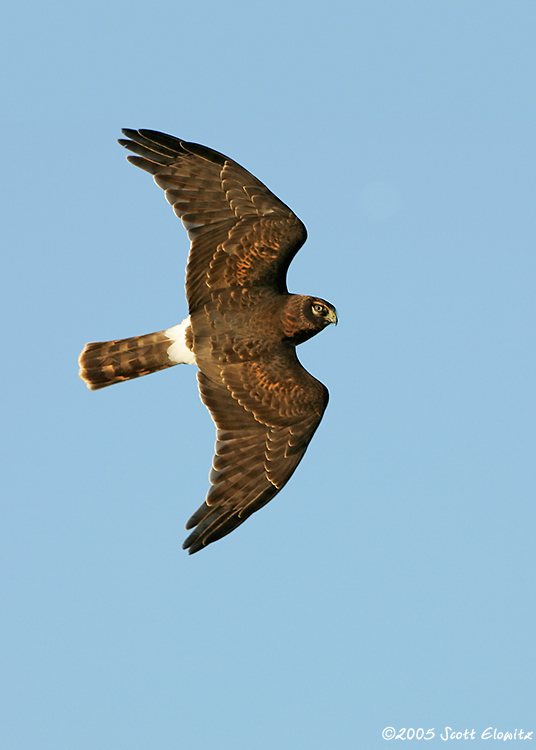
(242, 328)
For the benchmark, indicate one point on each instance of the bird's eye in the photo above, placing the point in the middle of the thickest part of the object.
(319, 309)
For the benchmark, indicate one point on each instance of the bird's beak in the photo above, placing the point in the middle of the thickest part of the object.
(332, 317)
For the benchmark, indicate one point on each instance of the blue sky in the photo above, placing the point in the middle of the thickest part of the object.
(391, 584)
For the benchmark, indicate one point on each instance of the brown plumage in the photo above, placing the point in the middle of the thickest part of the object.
(104, 363)
(242, 329)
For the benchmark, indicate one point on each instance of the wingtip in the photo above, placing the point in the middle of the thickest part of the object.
(130, 136)
(193, 547)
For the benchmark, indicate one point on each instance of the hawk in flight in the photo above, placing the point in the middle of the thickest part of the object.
(242, 329)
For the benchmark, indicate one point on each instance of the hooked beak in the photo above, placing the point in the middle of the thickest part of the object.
(332, 317)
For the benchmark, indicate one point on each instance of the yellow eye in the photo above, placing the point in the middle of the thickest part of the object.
(319, 309)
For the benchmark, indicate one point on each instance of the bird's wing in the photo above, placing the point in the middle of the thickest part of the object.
(241, 234)
(266, 413)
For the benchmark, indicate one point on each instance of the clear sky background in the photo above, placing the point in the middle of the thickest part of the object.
(392, 582)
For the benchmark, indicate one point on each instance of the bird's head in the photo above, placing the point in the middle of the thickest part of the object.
(304, 317)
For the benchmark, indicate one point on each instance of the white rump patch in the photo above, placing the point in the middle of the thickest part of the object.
(178, 352)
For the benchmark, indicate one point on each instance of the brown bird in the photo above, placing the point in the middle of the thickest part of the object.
(242, 329)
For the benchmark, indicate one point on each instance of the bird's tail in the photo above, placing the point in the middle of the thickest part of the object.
(104, 363)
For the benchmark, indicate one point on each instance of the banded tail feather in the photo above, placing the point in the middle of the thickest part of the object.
(104, 363)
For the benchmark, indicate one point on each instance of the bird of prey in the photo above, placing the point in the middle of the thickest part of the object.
(242, 328)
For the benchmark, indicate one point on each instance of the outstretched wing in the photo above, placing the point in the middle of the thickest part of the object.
(266, 414)
(241, 234)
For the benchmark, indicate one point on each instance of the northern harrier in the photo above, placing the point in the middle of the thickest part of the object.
(241, 332)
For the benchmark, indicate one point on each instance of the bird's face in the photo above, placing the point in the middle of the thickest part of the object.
(322, 312)
(303, 317)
